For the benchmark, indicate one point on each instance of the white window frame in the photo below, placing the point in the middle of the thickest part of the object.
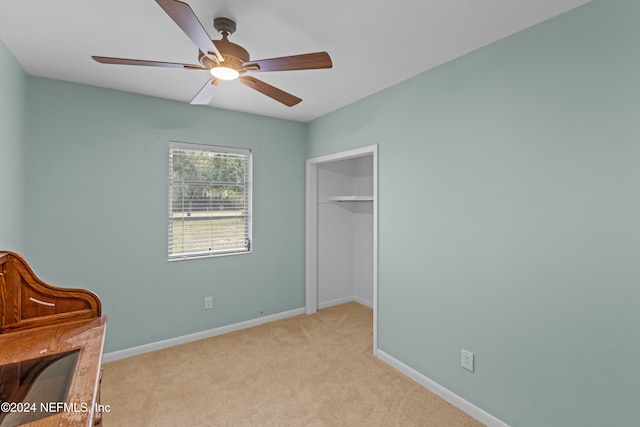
(214, 236)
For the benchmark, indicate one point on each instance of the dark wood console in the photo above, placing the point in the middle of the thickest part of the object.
(51, 343)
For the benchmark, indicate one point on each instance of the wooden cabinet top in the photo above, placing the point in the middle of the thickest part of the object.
(79, 406)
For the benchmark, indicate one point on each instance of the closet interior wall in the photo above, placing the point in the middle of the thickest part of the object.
(345, 231)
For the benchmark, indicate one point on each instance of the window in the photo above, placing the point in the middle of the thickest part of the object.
(209, 200)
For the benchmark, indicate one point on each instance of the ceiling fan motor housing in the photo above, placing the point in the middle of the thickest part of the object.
(234, 55)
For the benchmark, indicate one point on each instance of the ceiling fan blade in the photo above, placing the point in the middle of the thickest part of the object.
(206, 94)
(183, 15)
(123, 61)
(308, 61)
(271, 91)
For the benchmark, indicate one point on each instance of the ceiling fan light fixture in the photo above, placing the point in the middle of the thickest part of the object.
(224, 73)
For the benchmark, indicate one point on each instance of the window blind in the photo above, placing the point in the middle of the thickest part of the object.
(209, 200)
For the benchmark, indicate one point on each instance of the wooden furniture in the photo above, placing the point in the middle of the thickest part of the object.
(51, 342)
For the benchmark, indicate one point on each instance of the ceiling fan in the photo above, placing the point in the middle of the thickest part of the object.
(226, 60)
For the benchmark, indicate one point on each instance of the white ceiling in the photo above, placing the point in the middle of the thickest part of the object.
(373, 44)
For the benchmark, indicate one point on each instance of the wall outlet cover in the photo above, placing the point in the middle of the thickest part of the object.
(467, 360)
(208, 303)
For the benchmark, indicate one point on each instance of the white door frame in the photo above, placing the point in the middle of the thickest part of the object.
(311, 259)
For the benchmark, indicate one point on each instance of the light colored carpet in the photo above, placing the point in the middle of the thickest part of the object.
(315, 370)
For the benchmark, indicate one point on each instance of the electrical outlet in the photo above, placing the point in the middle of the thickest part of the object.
(208, 303)
(467, 360)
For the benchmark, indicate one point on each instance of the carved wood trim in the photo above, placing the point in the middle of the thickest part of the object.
(27, 302)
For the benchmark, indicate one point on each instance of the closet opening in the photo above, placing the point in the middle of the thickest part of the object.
(342, 230)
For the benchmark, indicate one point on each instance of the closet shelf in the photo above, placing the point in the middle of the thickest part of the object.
(349, 199)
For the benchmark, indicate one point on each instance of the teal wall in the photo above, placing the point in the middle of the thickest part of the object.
(13, 90)
(96, 210)
(509, 186)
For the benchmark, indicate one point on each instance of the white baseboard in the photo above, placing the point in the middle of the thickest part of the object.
(158, 345)
(344, 300)
(444, 393)
(333, 302)
(363, 302)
